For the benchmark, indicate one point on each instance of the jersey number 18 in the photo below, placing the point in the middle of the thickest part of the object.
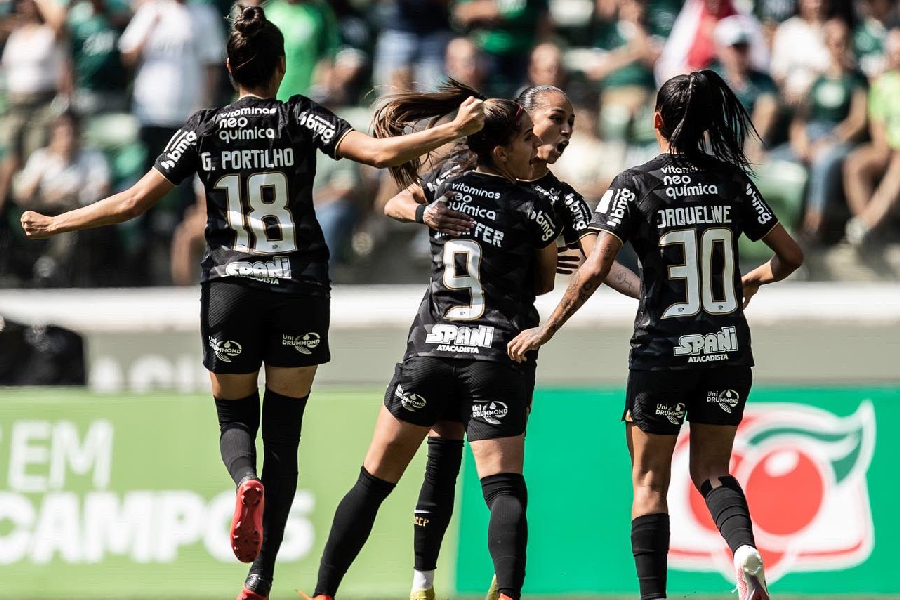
(260, 214)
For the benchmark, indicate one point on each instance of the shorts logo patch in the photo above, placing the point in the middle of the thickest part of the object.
(304, 344)
(490, 412)
(411, 402)
(726, 399)
(675, 414)
(226, 350)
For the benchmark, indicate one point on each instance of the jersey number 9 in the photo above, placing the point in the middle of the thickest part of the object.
(258, 214)
(471, 281)
(698, 274)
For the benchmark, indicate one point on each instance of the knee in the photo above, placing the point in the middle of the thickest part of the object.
(650, 487)
(508, 488)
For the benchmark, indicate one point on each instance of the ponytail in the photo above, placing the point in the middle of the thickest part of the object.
(400, 112)
(699, 110)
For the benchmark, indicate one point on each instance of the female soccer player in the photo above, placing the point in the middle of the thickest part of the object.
(553, 118)
(683, 212)
(265, 286)
(480, 296)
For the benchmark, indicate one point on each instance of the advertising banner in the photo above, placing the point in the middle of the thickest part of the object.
(818, 467)
(112, 497)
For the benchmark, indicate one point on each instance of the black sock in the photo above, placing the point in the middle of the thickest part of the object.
(435, 506)
(650, 546)
(238, 422)
(350, 529)
(728, 507)
(507, 498)
(282, 419)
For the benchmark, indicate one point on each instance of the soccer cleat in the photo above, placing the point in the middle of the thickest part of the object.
(318, 597)
(751, 579)
(248, 595)
(493, 592)
(246, 525)
(422, 594)
(504, 597)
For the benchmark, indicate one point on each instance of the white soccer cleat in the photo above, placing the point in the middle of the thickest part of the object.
(751, 579)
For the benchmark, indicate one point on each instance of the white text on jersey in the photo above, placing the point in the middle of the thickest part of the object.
(236, 160)
(266, 271)
(709, 347)
(694, 215)
(460, 339)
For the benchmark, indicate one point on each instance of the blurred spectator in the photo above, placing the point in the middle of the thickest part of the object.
(505, 31)
(772, 13)
(410, 49)
(177, 49)
(464, 64)
(624, 69)
(869, 34)
(660, 14)
(100, 79)
(311, 39)
(755, 89)
(871, 201)
(61, 177)
(826, 127)
(36, 70)
(692, 46)
(546, 66)
(799, 53)
(343, 86)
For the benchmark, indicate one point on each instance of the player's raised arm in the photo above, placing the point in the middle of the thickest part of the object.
(583, 284)
(391, 148)
(115, 209)
(412, 205)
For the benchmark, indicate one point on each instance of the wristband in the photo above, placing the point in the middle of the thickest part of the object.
(420, 213)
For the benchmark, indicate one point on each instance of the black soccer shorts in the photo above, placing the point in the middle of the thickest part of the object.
(659, 401)
(490, 397)
(243, 326)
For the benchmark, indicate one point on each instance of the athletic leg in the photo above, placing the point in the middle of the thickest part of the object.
(286, 396)
(393, 446)
(434, 508)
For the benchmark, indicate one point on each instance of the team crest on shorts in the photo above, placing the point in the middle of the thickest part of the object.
(411, 402)
(226, 350)
(304, 344)
(726, 399)
(490, 412)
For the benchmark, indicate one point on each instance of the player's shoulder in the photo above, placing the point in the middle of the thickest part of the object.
(203, 120)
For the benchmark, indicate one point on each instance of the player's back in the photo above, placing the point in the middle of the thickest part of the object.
(684, 222)
(481, 290)
(256, 159)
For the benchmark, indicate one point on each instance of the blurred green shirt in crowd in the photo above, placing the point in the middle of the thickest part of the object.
(829, 97)
(311, 34)
(884, 106)
(756, 85)
(516, 32)
(94, 39)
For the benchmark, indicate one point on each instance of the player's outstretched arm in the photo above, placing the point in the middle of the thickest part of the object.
(583, 284)
(620, 278)
(115, 209)
(411, 206)
(788, 258)
(393, 151)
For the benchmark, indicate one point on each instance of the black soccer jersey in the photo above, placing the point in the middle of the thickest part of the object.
(481, 291)
(684, 224)
(573, 215)
(256, 159)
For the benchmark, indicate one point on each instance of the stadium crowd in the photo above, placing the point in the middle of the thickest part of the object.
(92, 90)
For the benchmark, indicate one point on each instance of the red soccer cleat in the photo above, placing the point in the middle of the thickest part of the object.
(319, 597)
(246, 525)
(248, 595)
(751, 579)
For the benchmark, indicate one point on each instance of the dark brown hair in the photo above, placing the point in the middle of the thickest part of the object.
(254, 47)
(399, 113)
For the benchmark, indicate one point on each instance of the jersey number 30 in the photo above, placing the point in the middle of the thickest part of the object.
(258, 214)
(698, 274)
(471, 281)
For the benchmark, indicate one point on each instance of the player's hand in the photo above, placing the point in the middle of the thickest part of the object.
(526, 341)
(750, 290)
(36, 225)
(470, 117)
(568, 259)
(440, 217)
